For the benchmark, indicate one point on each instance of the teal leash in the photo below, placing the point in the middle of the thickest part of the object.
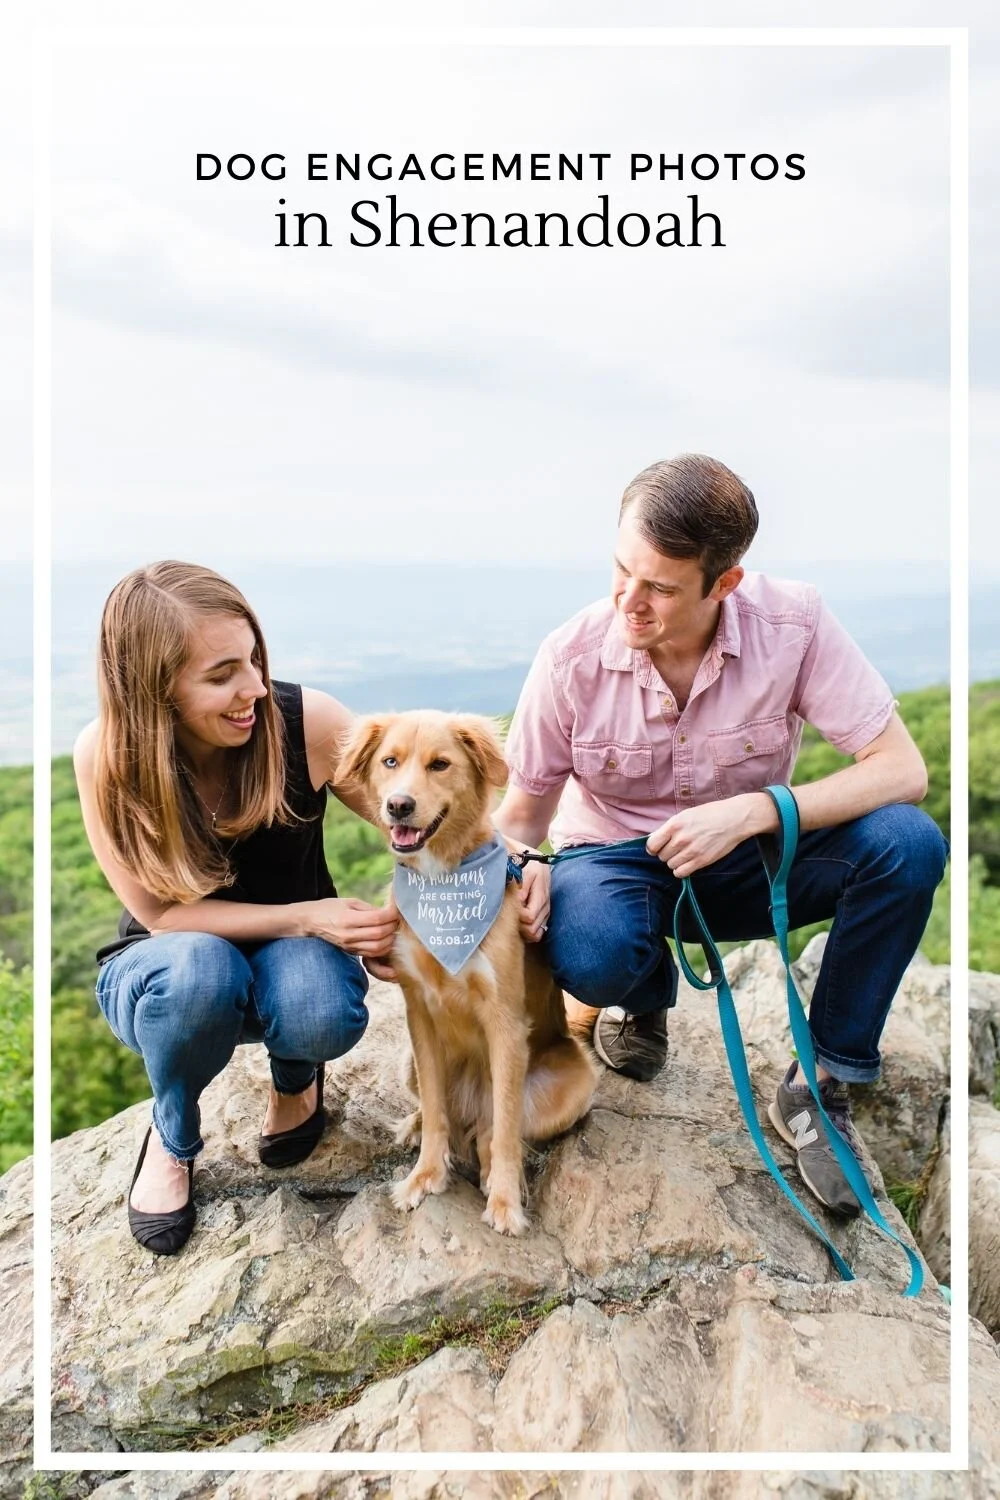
(778, 852)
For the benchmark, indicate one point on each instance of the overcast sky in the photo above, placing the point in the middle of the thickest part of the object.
(216, 395)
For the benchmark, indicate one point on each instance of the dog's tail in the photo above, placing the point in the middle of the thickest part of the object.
(559, 1089)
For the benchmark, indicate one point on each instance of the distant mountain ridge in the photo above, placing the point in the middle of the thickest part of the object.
(382, 636)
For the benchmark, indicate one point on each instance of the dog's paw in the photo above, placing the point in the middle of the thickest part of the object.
(505, 1215)
(409, 1131)
(421, 1181)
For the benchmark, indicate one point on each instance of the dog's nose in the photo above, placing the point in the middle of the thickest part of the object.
(400, 807)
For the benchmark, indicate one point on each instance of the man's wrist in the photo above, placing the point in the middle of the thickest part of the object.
(515, 843)
(760, 814)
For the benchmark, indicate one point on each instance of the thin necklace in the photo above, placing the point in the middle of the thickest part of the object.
(213, 812)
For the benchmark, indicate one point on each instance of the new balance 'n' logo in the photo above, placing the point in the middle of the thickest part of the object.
(801, 1127)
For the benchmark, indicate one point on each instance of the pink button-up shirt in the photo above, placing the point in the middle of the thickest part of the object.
(596, 718)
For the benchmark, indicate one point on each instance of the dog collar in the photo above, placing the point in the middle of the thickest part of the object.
(451, 912)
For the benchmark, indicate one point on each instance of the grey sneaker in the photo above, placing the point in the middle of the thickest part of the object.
(796, 1119)
(633, 1045)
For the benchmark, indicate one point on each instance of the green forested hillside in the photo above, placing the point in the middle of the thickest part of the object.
(93, 1077)
(15, 864)
(15, 976)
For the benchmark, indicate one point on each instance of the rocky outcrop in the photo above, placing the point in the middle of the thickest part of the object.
(934, 1228)
(984, 1034)
(15, 1321)
(984, 1164)
(984, 1214)
(550, 1484)
(666, 1297)
(901, 1115)
(984, 1150)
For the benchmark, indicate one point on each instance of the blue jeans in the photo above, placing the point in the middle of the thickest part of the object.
(184, 1000)
(875, 877)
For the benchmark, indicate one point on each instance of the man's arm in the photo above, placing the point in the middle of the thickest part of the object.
(523, 821)
(524, 818)
(889, 769)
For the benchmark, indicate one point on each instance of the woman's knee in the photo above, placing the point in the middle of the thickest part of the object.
(314, 1001)
(196, 978)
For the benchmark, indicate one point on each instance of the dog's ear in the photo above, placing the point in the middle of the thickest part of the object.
(357, 749)
(481, 738)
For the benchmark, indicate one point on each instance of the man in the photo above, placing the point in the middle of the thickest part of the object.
(664, 711)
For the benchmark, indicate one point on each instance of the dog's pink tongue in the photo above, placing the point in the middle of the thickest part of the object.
(404, 837)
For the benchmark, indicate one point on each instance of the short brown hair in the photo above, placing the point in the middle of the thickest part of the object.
(693, 506)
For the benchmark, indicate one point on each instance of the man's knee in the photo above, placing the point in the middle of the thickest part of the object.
(605, 935)
(600, 963)
(905, 844)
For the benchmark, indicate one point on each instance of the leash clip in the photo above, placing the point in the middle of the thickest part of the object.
(522, 857)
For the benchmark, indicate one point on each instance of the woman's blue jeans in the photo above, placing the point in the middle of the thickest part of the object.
(875, 877)
(185, 1000)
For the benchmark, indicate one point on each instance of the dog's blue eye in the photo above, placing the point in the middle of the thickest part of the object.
(390, 762)
(439, 765)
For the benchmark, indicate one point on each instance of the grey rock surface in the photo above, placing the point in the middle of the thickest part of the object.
(900, 1115)
(678, 1301)
(984, 1034)
(934, 1228)
(15, 1327)
(984, 1214)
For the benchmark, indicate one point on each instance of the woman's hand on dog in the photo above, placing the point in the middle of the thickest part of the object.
(533, 894)
(355, 926)
(381, 968)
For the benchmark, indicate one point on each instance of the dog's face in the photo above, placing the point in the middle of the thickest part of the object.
(429, 776)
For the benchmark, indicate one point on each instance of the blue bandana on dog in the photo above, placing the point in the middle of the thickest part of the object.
(452, 912)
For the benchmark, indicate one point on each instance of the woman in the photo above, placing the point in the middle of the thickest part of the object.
(203, 785)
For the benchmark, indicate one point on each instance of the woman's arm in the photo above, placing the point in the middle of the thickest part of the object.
(352, 925)
(326, 723)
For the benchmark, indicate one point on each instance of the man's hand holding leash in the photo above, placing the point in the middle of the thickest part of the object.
(699, 836)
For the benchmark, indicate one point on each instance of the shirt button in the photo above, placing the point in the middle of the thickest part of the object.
(682, 739)
(612, 764)
(748, 746)
(685, 791)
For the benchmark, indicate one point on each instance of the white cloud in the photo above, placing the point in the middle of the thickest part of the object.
(474, 404)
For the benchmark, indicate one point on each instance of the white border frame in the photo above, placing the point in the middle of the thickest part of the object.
(956, 40)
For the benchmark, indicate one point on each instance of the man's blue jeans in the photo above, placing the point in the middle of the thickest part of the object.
(184, 1000)
(875, 877)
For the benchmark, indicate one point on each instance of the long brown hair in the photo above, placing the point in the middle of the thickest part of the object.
(145, 793)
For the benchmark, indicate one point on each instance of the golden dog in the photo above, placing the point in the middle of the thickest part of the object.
(492, 1059)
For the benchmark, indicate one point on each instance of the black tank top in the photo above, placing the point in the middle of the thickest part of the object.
(273, 865)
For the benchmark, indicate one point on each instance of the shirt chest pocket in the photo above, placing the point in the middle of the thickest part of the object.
(750, 757)
(613, 770)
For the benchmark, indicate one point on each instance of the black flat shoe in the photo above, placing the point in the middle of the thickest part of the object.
(167, 1233)
(288, 1147)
